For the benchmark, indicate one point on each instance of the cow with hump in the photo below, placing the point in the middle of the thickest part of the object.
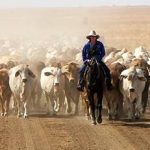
(21, 84)
(141, 63)
(70, 72)
(114, 98)
(132, 84)
(51, 83)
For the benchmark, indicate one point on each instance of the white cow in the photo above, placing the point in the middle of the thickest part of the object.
(20, 81)
(141, 53)
(132, 85)
(51, 84)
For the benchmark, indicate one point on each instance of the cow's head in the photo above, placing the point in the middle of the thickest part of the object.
(132, 80)
(53, 73)
(71, 71)
(24, 73)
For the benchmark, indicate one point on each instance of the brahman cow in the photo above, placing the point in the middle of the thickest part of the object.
(21, 84)
(51, 83)
(132, 85)
(114, 97)
(141, 63)
(5, 92)
(71, 71)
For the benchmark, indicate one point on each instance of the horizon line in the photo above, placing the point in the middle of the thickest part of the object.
(24, 7)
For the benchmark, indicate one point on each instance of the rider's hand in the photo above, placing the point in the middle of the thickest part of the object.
(87, 61)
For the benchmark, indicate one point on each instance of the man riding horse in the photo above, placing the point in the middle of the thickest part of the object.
(94, 48)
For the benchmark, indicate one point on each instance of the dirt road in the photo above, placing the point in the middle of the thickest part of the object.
(72, 133)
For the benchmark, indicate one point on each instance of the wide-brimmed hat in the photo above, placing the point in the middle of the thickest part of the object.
(92, 33)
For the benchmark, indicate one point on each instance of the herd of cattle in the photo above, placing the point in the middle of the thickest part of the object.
(54, 74)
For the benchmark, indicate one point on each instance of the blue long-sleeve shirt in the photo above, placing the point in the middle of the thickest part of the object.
(99, 51)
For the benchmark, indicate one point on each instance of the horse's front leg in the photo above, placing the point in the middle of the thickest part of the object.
(92, 106)
(99, 106)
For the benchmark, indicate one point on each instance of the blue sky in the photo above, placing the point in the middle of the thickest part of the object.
(68, 3)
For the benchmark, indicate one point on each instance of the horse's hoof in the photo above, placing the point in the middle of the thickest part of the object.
(93, 122)
(99, 120)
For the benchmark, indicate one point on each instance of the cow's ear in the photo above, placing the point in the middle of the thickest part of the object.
(123, 76)
(17, 73)
(31, 73)
(47, 73)
(64, 70)
(142, 78)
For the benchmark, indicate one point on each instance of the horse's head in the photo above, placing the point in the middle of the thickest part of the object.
(93, 75)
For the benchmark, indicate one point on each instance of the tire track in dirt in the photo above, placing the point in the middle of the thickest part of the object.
(56, 131)
(101, 137)
(38, 135)
(83, 136)
(136, 135)
(27, 134)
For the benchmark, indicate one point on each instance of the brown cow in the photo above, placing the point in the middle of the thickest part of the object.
(114, 98)
(141, 63)
(5, 92)
(70, 72)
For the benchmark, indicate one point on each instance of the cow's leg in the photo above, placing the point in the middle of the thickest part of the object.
(116, 110)
(109, 110)
(14, 104)
(19, 107)
(120, 111)
(48, 102)
(7, 106)
(25, 115)
(87, 109)
(99, 106)
(32, 101)
(39, 96)
(2, 106)
(76, 101)
(92, 106)
(52, 99)
(145, 97)
(129, 108)
(61, 101)
(133, 110)
(69, 108)
(56, 102)
(138, 108)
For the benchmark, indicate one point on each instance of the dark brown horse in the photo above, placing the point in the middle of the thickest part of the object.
(94, 85)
